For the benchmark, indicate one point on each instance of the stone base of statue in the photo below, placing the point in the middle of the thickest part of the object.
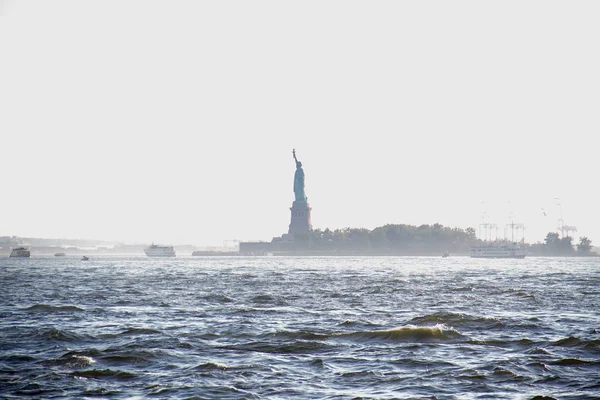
(300, 222)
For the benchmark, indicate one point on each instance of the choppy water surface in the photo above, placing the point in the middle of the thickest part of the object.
(298, 328)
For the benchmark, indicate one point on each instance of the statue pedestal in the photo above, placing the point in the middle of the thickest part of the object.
(300, 222)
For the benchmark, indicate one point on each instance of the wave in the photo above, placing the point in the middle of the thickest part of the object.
(296, 347)
(573, 342)
(85, 352)
(121, 359)
(300, 335)
(504, 372)
(488, 342)
(538, 365)
(408, 333)
(132, 332)
(537, 350)
(140, 331)
(276, 308)
(217, 298)
(500, 374)
(358, 374)
(458, 320)
(568, 342)
(356, 323)
(263, 298)
(17, 358)
(462, 289)
(318, 362)
(590, 346)
(211, 367)
(49, 308)
(69, 361)
(104, 374)
(100, 392)
(301, 341)
(59, 335)
(501, 343)
(573, 361)
(515, 292)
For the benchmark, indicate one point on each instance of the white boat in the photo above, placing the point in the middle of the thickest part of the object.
(510, 250)
(156, 250)
(20, 252)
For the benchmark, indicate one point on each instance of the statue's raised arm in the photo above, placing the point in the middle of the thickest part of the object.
(294, 153)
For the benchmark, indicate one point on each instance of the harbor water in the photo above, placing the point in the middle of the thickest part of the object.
(299, 328)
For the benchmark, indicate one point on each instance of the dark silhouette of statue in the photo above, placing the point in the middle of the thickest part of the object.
(299, 180)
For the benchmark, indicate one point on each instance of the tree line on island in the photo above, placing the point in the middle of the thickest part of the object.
(433, 239)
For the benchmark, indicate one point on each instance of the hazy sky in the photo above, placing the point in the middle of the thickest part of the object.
(175, 121)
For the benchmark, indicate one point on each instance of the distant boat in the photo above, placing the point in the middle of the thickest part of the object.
(510, 250)
(446, 254)
(20, 252)
(155, 250)
(85, 258)
(59, 254)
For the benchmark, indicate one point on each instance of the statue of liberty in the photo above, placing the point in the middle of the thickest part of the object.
(299, 180)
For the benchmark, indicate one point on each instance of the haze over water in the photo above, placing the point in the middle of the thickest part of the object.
(297, 328)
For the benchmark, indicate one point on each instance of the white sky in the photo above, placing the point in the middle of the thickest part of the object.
(175, 121)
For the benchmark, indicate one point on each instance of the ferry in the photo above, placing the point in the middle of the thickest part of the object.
(20, 252)
(510, 250)
(155, 250)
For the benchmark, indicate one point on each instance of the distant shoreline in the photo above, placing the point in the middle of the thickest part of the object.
(282, 254)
